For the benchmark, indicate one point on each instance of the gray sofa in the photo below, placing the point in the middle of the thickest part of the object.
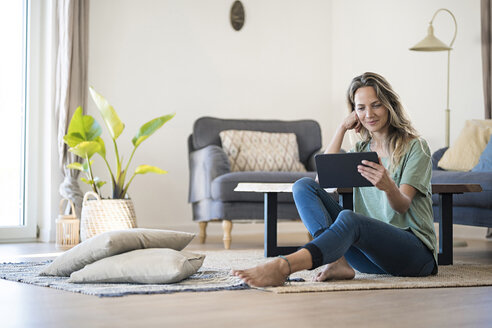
(211, 182)
(474, 209)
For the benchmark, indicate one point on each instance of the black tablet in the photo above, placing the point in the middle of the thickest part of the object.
(340, 170)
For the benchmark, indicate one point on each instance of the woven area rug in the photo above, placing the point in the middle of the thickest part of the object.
(457, 275)
(214, 275)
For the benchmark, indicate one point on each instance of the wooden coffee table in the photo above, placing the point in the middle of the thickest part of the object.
(271, 190)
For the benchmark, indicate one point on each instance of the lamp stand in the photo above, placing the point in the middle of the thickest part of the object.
(447, 126)
(431, 43)
(448, 111)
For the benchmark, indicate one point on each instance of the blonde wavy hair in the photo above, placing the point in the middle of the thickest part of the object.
(400, 131)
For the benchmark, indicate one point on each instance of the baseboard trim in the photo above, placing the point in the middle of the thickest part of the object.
(18, 240)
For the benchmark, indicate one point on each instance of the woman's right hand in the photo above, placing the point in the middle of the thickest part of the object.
(352, 122)
(349, 123)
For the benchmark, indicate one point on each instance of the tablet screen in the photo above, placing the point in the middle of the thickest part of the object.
(340, 170)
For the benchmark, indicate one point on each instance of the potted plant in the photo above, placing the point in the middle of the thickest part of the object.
(84, 140)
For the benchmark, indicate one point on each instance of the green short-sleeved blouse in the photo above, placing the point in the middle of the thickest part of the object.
(415, 169)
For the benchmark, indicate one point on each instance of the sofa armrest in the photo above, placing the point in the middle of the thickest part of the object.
(436, 157)
(205, 165)
(311, 163)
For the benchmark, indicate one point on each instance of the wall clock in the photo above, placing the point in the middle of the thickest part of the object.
(237, 15)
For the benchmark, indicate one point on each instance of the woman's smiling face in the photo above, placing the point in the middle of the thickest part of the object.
(370, 111)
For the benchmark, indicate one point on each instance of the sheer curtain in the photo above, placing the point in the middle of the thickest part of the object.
(486, 12)
(72, 28)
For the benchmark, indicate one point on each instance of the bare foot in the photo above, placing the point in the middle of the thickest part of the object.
(273, 273)
(338, 270)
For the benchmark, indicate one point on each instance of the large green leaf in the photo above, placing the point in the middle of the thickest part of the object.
(143, 169)
(73, 139)
(85, 149)
(113, 122)
(149, 128)
(76, 125)
(92, 128)
(81, 128)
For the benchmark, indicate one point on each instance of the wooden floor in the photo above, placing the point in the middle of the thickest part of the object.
(23, 305)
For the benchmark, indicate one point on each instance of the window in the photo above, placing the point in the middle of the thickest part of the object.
(13, 33)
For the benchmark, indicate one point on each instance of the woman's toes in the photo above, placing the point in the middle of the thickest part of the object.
(322, 276)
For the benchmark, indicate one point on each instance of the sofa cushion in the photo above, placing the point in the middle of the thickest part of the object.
(473, 199)
(223, 186)
(463, 155)
(261, 151)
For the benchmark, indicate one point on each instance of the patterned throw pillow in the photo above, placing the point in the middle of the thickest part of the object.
(261, 151)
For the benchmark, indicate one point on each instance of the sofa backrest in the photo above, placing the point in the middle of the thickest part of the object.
(436, 157)
(308, 132)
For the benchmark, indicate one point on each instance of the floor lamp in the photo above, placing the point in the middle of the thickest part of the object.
(431, 43)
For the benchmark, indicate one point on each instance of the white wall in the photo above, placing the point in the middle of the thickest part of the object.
(376, 35)
(152, 57)
(291, 60)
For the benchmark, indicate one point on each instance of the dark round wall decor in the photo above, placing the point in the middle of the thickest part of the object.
(237, 15)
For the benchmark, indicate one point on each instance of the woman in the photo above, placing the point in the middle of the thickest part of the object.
(391, 229)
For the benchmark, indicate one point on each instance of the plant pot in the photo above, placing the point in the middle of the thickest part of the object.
(102, 215)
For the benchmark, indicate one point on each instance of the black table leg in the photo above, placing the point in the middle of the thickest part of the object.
(270, 223)
(348, 201)
(270, 215)
(445, 256)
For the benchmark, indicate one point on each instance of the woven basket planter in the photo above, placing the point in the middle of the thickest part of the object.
(102, 215)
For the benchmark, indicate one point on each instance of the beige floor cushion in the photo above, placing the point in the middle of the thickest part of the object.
(144, 266)
(112, 243)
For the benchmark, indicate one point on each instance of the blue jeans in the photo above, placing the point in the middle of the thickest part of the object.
(369, 245)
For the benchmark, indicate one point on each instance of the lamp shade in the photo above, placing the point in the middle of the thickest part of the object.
(430, 43)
